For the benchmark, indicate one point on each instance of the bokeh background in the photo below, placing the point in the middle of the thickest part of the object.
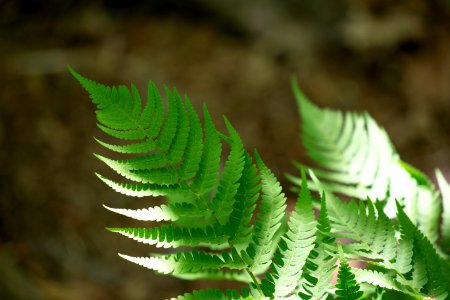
(390, 58)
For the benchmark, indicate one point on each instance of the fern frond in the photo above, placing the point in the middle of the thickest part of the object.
(437, 286)
(294, 248)
(356, 158)
(139, 189)
(208, 171)
(321, 262)
(238, 227)
(167, 152)
(152, 116)
(373, 237)
(377, 247)
(176, 156)
(171, 143)
(97, 92)
(163, 149)
(403, 260)
(171, 123)
(375, 278)
(273, 204)
(222, 203)
(134, 148)
(194, 147)
(126, 135)
(346, 287)
(343, 158)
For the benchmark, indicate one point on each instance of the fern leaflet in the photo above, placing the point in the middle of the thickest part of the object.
(321, 261)
(294, 249)
(347, 287)
(273, 204)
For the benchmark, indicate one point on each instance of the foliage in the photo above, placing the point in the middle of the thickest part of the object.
(225, 215)
(356, 158)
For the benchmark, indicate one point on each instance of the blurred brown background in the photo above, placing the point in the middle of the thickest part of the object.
(391, 58)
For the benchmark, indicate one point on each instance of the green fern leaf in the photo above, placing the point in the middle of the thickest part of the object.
(321, 261)
(222, 204)
(177, 159)
(294, 248)
(346, 287)
(127, 135)
(375, 278)
(154, 173)
(158, 213)
(189, 262)
(208, 172)
(174, 141)
(171, 212)
(273, 204)
(194, 147)
(238, 226)
(179, 141)
(403, 260)
(153, 114)
(437, 285)
(170, 236)
(372, 237)
(139, 147)
(380, 249)
(355, 157)
(98, 92)
(139, 189)
(169, 128)
(164, 150)
(169, 153)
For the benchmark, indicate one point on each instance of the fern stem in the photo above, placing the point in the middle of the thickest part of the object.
(255, 281)
(250, 273)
